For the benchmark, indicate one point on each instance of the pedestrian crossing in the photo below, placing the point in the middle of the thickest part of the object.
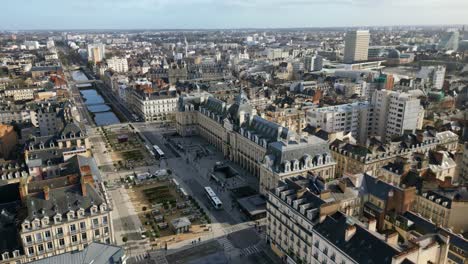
(140, 258)
(235, 228)
(250, 250)
(227, 245)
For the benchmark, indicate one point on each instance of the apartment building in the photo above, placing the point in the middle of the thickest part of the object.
(118, 64)
(394, 114)
(292, 118)
(411, 226)
(348, 118)
(56, 216)
(433, 76)
(302, 227)
(292, 211)
(154, 107)
(444, 207)
(21, 93)
(49, 118)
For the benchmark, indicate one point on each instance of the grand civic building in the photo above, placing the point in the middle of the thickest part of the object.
(265, 149)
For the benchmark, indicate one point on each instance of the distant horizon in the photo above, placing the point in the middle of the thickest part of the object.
(31, 15)
(239, 28)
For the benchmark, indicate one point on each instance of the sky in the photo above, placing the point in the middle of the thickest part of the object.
(211, 14)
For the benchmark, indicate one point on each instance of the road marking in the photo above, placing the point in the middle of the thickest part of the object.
(250, 250)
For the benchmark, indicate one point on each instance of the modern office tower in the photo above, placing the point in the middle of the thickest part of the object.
(313, 63)
(449, 41)
(118, 64)
(433, 76)
(394, 114)
(356, 46)
(347, 118)
(96, 52)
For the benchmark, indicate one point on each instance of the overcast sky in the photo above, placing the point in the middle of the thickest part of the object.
(163, 14)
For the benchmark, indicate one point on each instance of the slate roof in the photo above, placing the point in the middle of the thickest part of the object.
(96, 253)
(61, 200)
(266, 129)
(376, 187)
(424, 226)
(362, 247)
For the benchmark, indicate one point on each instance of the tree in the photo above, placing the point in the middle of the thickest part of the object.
(144, 208)
(124, 239)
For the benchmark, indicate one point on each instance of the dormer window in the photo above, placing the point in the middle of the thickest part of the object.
(5, 256)
(57, 218)
(26, 225)
(296, 165)
(70, 215)
(287, 166)
(81, 212)
(93, 209)
(103, 207)
(45, 221)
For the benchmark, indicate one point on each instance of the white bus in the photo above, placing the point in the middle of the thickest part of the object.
(215, 201)
(158, 153)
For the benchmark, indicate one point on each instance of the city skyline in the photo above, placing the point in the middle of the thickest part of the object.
(164, 14)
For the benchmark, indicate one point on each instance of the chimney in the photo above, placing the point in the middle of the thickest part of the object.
(372, 225)
(392, 238)
(46, 193)
(85, 179)
(349, 232)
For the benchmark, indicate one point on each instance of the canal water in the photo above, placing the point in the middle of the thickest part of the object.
(103, 114)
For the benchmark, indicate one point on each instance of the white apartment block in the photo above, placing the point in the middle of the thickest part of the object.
(356, 46)
(433, 75)
(349, 118)
(118, 64)
(394, 113)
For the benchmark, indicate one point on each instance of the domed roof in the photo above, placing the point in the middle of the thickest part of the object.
(393, 54)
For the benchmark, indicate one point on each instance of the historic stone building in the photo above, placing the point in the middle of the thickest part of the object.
(265, 149)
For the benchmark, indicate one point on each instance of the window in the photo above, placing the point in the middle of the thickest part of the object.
(40, 248)
(84, 236)
(28, 239)
(96, 233)
(38, 237)
(73, 228)
(74, 239)
(47, 234)
(31, 250)
(62, 242)
(95, 222)
(104, 220)
(106, 230)
(59, 231)
(50, 245)
(82, 225)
